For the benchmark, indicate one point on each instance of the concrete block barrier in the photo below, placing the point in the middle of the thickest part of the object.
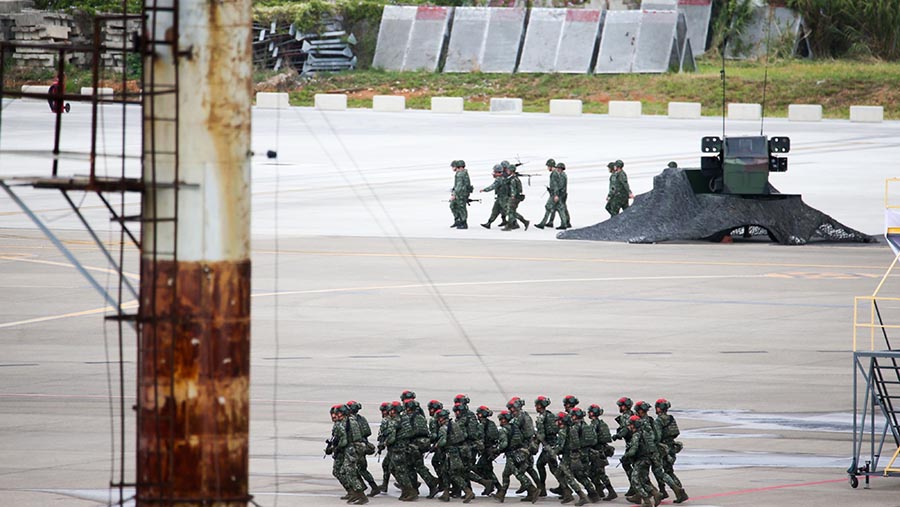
(685, 110)
(268, 100)
(331, 102)
(100, 91)
(506, 105)
(34, 89)
(804, 112)
(447, 104)
(744, 111)
(625, 108)
(565, 107)
(389, 103)
(867, 114)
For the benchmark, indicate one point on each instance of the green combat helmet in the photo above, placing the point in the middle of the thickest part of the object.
(460, 163)
(454, 164)
(611, 166)
(497, 168)
(505, 164)
(407, 395)
(673, 165)
(663, 404)
(595, 410)
(620, 164)
(560, 165)
(551, 162)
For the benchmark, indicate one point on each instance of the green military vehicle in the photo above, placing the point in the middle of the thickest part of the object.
(739, 165)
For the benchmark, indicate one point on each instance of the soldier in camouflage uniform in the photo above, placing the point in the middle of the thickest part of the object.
(511, 444)
(474, 444)
(485, 465)
(601, 453)
(545, 432)
(570, 401)
(382, 430)
(657, 451)
(343, 445)
(563, 196)
(587, 439)
(451, 437)
(366, 431)
(568, 442)
(623, 432)
(418, 441)
(552, 188)
(619, 190)
(437, 457)
(397, 450)
(515, 197)
(459, 196)
(637, 454)
(526, 426)
(501, 196)
(667, 429)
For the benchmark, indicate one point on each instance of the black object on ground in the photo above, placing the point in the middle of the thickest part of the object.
(672, 211)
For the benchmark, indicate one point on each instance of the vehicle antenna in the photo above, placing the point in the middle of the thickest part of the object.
(762, 118)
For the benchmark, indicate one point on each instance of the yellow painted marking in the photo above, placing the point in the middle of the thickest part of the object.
(67, 265)
(570, 259)
(893, 230)
(129, 304)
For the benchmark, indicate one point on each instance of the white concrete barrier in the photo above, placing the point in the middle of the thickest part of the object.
(447, 104)
(804, 112)
(100, 91)
(685, 110)
(331, 102)
(268, 100)
(625, 108)
(34, 89)
(867, 114)
(506, 105)
(390, 103)
(565, 107)
(744, 111)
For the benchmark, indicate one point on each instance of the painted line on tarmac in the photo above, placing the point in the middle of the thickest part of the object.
(129, 304)
(133, 276)
(767, 488)
(879, 267)
(501, 282)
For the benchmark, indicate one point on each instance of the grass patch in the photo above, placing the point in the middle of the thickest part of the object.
(835, 84)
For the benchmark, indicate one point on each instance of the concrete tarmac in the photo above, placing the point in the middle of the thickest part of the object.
(367, 292)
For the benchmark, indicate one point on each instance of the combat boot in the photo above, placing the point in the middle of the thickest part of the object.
(527, 223)
(346, 496)
(663, 493)
(532, 495)
(557, 490)
(539, 226)
(523, 488)
(566, 496)
(375, 490)
(646, 502)
(657, 497)
(463, 225)
(680, 495)
(633, 498)
(582, 498)
(595, 497)
(562, 227)
(612, 495)
(434, 489)
(488, 487)
(445, 497)
(500, 495)
(358, 498)
(486, 226)
(542, 489)
(469, 495)
(384, 486)
(455, 225)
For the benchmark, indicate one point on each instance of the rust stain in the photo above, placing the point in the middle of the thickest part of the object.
(194, 384)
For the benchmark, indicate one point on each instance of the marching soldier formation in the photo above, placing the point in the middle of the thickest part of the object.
(574, 445)
(508, 193)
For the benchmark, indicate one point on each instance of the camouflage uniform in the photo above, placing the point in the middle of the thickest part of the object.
(512, 202)
(500, 187)
(451, 439)
(563, 194)
(638, 454)
(474, 443)
(655, 453)
(600, 454)
(624, 433)
(345, 467)
(552, 187)
(485, 465)
(366, 431)
(437, 457)
(667, 429)
(386, 462)
(546, 431)
(511, 443)
(567, 443)
(399, 462)
(415, 434)
(581, 458)
(619, 190)
(462, 187)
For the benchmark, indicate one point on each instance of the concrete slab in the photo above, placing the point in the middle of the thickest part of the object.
(749, 341)
(805, 112)
(656, 51)
(100, 91)
(867, 114)
(578, 43)
(541, 46)
(506, 105)
(467, 39)
(393, 36)
(389, 103)
(565, 107)
(426, 38)
(744, 111)
(625, 108)
(685, 110)
(503, 39)
(618, 42)
(697, 14)
(330, 101)
(269, 100)
(447, 104)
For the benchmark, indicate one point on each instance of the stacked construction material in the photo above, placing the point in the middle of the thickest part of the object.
(113, 34)
(278, 46)
(39, 27)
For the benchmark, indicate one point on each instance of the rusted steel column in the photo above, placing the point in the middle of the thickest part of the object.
(194, 349)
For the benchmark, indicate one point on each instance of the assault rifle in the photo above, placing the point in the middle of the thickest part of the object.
(468, 201)
(329, 447)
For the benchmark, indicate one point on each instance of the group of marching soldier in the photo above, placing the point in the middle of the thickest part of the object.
(573, 445)
(507, 188)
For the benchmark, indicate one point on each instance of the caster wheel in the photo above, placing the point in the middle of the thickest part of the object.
(68, 107)
(854, 482)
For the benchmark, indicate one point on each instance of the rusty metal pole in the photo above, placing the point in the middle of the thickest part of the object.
(194, 342)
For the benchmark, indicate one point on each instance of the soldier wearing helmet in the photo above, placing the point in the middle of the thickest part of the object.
(552, 187)
(567, 442)
(619, 190)
(516, 196)
(501, 195)
(512, 444)
(396, 439)
(570, 401)
(459, 195)
(637, 453)
(415, 433)
(346, 455)
(667, 429)
(656, 451)
(600, 453)
(366, 447)
(584, 440)
(623, 432)
(484, 468)
(435, 408)
(386, 420)
(451, 437)
(526, 426)
(545, 432)
(407, 395)
(474, 444)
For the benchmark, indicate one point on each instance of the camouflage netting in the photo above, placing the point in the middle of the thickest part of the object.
(671, 211)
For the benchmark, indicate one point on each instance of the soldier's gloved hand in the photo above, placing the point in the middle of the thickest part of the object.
(616, 437)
